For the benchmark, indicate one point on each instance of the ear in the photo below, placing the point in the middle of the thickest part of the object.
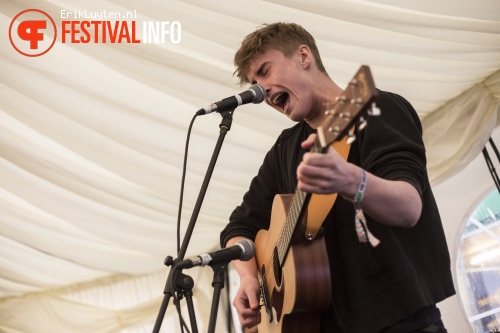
(305, 56)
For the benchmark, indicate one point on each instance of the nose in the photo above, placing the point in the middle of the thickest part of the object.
(263, 83)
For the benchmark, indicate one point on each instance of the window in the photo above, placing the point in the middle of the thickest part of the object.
(478, 265)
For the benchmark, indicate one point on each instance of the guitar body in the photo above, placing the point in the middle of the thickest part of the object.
(299, 291)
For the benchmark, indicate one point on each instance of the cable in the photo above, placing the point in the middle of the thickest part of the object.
(490, 165)
(182, 184)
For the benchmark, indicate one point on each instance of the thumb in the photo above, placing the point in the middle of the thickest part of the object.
(309, 141)
(253, 297)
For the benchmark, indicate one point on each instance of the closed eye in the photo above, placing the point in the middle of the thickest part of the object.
(263, 69)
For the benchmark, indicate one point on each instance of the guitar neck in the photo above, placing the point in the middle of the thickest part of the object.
(294, 215)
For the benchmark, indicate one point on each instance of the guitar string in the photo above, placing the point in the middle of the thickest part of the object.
(288, 228)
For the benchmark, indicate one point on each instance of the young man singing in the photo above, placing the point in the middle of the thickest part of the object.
(392, 287)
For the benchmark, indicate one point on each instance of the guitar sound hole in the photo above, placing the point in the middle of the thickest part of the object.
(277, 268)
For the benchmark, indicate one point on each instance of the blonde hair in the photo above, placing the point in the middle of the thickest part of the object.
(285, 37)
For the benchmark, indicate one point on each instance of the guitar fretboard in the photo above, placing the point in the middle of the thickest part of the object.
(299, 201)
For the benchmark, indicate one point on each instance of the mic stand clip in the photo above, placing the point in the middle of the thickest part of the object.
(218, 284)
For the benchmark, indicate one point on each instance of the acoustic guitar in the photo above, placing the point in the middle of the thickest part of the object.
(293, 266)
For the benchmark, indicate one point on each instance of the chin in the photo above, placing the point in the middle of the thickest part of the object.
(294, 118)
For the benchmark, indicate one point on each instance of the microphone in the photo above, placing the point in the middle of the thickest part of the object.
(244, 250)
(255, 94)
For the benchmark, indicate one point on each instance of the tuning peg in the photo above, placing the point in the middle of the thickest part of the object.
(335, 130)
(345, 115)
(357, 101)
(362, 123)
(330, 113)
(351, 137)
(342, 99)
(374, 110)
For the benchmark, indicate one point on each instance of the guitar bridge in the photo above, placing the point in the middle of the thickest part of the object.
(264, 295)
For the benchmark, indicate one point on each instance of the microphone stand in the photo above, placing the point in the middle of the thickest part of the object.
(177, 281)
(218, 284)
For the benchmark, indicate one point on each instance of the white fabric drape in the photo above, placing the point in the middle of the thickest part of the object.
(92, 140)
(457, 131)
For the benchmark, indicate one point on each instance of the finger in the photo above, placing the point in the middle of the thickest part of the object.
(249, 318)
(329, 159)
(253, 300)
(314, 174)
(309, 141)
(314, 180)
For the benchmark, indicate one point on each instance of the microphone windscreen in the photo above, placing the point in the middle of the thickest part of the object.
(260, 93)
(248, 249)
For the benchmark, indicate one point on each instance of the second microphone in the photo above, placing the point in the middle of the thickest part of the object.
(243, 250)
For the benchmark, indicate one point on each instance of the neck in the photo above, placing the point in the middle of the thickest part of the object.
(327, 92)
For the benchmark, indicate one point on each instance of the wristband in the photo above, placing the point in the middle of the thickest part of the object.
(360, 224)
(361, 188)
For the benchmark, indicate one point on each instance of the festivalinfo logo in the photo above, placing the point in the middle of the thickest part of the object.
(33, 32)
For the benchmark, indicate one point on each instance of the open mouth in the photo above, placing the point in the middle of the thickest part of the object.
(281, 100)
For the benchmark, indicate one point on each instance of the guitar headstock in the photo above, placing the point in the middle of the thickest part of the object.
(353, 105)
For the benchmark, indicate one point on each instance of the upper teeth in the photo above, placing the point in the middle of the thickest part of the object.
(276, 98)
